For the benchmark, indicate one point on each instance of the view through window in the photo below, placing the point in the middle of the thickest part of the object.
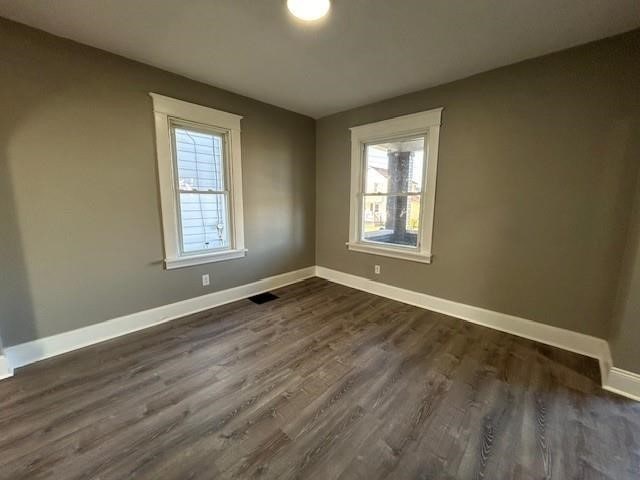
(203, 196)
(392, 191)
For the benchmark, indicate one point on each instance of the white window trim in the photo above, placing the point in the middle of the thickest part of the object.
(165, 110)
(427, 123)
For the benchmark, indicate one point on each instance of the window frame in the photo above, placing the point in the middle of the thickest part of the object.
(425, 123)
(168, 113)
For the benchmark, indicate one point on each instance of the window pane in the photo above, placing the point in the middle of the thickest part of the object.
(394, 167)
(392, 219)
(199, 157)
(203, 218)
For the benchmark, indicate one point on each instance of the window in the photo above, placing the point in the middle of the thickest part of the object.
(199, 169)
(393, 180)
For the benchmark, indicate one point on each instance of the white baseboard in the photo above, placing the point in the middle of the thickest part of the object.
(5, 370)
(557, 337)
(30, 352)
(613, 379)
(622, 382)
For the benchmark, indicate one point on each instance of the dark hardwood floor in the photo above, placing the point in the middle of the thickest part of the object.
(325, 382)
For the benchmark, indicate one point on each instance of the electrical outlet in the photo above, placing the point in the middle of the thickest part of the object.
(205, 280)
(376, 269)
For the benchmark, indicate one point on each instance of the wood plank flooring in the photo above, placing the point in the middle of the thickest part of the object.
(325, 382)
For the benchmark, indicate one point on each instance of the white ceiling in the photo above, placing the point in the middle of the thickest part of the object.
(365, 50)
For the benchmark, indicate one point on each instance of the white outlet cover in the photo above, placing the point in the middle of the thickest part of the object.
(205, 279)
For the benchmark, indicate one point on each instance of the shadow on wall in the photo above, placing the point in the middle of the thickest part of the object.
(623, 335)
(17, 320)
(28, 187)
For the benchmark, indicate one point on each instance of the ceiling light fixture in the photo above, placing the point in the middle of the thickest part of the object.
(309, 10)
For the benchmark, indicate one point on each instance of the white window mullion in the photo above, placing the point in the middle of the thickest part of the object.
(205, 192)
(398, 194)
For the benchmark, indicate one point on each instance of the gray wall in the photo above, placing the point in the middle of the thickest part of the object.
(625, 332)
(80, 232)
(538, 164)
(535, 182)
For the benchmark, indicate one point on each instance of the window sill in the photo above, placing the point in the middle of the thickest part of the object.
(389, 252)
(192, 260)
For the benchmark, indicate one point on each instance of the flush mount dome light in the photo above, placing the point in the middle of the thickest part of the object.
(309, 9)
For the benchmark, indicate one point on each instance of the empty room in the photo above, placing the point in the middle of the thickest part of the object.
(320, 239)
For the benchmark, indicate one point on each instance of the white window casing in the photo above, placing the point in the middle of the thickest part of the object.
(424, 123)
(171, 113)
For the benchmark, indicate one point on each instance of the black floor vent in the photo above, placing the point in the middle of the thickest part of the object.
(263, 298)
